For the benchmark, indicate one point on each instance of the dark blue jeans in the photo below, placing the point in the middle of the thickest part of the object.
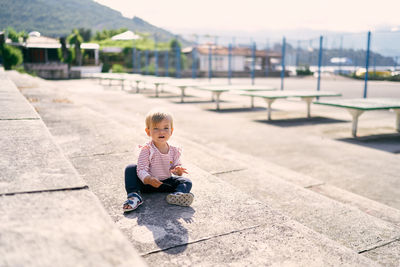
(172, 184)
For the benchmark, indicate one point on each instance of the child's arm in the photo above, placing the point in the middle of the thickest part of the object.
(177, 168)
(143, 168)
(154, 182)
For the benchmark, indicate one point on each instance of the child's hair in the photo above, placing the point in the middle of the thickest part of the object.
(156, 116)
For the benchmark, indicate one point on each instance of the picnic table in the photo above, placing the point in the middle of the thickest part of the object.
(217, 90)
(137, 80)
(357, 106)
(110, 79)
(158, 82)
(306, 96)
(182, 86)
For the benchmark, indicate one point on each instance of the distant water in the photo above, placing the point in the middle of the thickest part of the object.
(345, 69)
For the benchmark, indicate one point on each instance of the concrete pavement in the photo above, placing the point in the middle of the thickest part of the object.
(231, 222)
(48, 215)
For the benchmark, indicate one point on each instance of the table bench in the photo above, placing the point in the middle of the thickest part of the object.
(157, 81)
(357, 106)
(217, 90)
(306, 96)
(110, 79)
(137, 81)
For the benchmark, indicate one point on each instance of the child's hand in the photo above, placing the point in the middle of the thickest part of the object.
(178, 170)
(154, 182)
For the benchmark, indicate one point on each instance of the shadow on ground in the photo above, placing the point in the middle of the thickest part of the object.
(164, 221)
(385, 142)
(199, 101)
(233, 110)
(294, 122)
(162, 95)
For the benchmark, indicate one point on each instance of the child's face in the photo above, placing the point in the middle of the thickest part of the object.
(160, 132)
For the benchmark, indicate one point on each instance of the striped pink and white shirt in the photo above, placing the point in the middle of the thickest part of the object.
(152, 162)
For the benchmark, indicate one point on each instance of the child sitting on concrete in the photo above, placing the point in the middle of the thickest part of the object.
(156, 163)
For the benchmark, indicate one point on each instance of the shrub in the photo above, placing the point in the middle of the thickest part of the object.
(304, 71)
(11, 56)
(106, 67)
(395, 78)
(117, 68)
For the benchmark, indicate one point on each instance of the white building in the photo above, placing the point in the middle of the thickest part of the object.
(241, 58)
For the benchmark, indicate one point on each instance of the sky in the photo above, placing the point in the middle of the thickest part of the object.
(257, 15)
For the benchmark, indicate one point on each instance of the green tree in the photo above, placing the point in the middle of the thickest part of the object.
(64, 54)
(16, 37)
(86, 34)
(173, 44)
(76, 40)
(107, 34)
(13, 35)
(11, 56)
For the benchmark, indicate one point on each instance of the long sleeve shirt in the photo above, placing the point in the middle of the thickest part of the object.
(152, 162)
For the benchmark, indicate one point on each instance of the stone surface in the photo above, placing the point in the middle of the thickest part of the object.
(387, 255)
(342, 223)
(265, 245)
(366, 205)
(68, 228)
(245, 133)
(13, 105)
(31, 161)
(48, 216)
(310, 148)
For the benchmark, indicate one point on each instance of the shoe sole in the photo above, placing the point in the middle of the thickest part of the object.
(184, 199)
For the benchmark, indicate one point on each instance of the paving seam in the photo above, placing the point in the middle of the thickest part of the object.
(314, 185)
(20, 119)
(230, 171)
(202, 240)
(379, 246)
(99, 154)
(46, 191)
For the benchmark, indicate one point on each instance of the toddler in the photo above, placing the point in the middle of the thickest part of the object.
(159, 167)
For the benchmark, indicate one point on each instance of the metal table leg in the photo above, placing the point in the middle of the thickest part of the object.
(308, 101)
(156, 84)
(182, 92)
(137, 86)
(397, 119)
(355, 113)
(217, 98)
(269, 103)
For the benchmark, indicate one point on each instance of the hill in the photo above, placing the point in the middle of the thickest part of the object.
(58, 17)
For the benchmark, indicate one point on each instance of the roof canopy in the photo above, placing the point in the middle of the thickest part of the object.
(92, 46)
(35, 41)
(128, 35)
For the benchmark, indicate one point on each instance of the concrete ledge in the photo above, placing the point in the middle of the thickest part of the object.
(13, 105)
(67, 228)
(210, 229)
(354, 221)
(31, 161)
(48, 216)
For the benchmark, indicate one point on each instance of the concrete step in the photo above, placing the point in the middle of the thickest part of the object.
(48, 215)
(356, 222)
(357, 230)
(224, 225)
(218, 160)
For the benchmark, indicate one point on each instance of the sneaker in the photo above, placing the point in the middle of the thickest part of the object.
(132, 203)
(180, 199)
